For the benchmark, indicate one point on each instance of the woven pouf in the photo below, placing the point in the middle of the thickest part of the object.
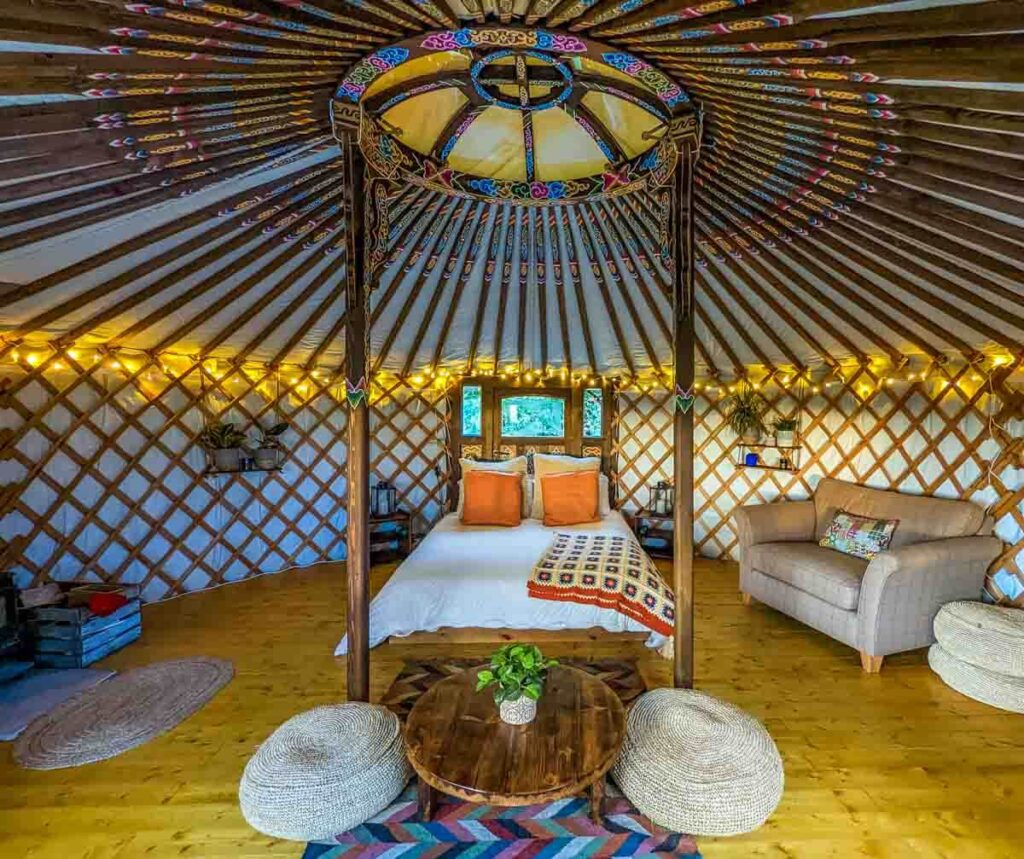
(698, 765)
(989, 687)
(989, 636)
(324, 772)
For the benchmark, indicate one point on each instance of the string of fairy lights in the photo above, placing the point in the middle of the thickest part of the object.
(864, 377)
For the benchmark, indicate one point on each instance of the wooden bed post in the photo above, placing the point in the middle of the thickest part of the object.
(682, 401)
(357, 390)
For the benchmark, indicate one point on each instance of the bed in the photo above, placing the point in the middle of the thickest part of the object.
(464, 576)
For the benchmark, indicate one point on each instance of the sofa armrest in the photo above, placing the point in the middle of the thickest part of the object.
(790, 521)
(902, 590)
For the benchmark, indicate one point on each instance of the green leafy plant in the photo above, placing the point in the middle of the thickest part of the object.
(786, 425)
(515, 670)
(221, 436)
(746, 410)
(270, 437)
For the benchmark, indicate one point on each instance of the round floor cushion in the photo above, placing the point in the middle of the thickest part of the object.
(989, 636)
(324, 772)
(989, 687)
(697, 765)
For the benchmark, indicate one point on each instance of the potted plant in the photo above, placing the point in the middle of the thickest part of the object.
(746, 414)
(268, 446)
(224, 443)
(785, 432)
(517, 673)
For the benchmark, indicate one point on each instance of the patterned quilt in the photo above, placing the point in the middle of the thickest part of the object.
(611, 571)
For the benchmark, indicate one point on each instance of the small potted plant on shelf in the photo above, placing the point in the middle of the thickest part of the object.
(268, 449)
(746, 414)
(517, 672)
(224, 445)
(785, 432)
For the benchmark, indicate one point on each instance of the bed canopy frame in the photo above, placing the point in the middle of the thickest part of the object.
(498, 75)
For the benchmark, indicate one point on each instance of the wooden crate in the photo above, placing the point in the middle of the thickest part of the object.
(73, 637)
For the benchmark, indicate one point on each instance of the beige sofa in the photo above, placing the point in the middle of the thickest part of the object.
(939, 553)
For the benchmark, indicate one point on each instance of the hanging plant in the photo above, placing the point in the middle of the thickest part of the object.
(746, 409)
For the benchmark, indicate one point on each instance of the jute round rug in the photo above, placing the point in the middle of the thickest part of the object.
(121, 713)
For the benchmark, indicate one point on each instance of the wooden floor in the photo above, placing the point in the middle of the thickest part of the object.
(886, 765)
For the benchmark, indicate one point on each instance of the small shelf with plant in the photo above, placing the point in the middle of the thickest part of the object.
(230, 451)
(517, 672)
(754, 448)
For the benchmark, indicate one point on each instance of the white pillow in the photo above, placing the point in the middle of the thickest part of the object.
(516, 463)
(551, 463)
(604, 496)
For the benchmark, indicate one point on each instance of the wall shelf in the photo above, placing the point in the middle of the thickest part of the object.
(770, 456)
(212, 472)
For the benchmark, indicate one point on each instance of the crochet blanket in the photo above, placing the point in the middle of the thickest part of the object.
(611, 571)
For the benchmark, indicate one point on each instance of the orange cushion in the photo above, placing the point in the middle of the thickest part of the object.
(492, 498)
(570, 498)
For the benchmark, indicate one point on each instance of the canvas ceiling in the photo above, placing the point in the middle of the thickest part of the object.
(169, 181)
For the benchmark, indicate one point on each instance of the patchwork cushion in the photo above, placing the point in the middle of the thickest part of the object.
(324, 772)
(987, 636)
(989, 687)
(827, 575)
(858, 536)
(695, 764)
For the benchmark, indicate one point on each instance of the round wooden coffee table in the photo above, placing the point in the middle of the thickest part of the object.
(457, 743)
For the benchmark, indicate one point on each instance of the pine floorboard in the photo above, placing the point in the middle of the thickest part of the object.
(887, 765)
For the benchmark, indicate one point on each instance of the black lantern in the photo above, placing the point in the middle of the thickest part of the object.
(383, 499)
(662, 498)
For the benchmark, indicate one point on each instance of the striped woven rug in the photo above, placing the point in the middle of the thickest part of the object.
(465, 829)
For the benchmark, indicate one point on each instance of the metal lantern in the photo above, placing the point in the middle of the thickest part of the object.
(383, 499)
(662, 500)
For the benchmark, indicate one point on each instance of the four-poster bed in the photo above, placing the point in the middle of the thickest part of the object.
(643, 136)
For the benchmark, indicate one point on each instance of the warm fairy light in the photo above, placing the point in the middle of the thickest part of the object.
(417, 379)
(33, 359)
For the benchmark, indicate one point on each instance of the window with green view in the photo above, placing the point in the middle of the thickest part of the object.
(471, 410)
(533, 417)
(592, 405)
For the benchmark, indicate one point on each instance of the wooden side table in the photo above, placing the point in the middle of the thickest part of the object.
(382, 540)
(641, 525)
(457, 743)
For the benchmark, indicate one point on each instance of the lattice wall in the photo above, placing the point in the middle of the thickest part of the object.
(957, 434)
(102, 480)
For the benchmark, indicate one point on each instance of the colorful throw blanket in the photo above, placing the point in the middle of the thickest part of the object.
(611, 571)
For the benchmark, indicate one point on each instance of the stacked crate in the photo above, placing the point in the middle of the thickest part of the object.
(72, 636)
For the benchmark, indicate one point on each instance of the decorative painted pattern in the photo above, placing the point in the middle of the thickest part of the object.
(667, 91)
(469, 37)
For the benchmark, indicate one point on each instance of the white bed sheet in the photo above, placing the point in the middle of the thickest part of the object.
(471, 575)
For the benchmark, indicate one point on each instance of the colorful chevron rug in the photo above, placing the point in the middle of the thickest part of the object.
(465, 829)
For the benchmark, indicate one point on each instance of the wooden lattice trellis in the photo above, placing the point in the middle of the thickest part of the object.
(102, 480)
(951, 434)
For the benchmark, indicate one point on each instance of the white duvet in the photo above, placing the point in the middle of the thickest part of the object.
(471, 575)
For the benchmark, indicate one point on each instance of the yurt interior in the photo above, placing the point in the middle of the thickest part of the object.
(511, 428)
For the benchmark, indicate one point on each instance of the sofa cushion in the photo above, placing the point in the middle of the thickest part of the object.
(826, 574)
(921, 518)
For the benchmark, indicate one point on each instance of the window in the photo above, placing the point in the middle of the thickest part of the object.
(593, 403)
(533, 417)
(471, 405)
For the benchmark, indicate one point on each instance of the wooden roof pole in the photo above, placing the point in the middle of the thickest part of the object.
(357, 618)
(683, 339)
